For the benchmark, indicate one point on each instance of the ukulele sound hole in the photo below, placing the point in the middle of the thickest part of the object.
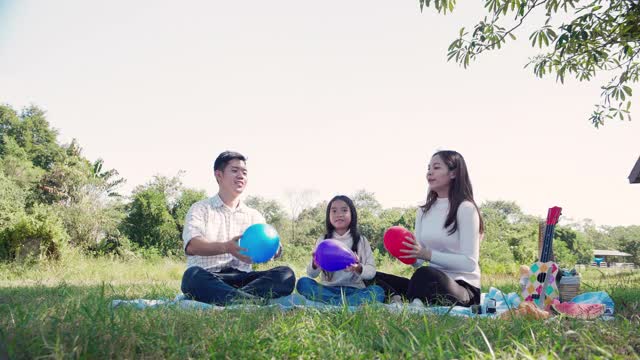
(542, 277)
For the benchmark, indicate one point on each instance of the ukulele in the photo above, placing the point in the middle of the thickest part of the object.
(542, 287)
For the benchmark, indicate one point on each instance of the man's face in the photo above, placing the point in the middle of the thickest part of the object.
(233, 178)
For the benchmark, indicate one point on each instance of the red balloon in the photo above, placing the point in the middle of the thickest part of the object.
(393, 239)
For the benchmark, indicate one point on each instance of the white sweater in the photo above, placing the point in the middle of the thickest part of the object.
(457, 254)
(343, 277)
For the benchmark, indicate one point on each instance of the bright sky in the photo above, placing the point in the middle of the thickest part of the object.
(332, 96)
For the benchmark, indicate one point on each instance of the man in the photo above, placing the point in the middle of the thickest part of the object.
(216, 270)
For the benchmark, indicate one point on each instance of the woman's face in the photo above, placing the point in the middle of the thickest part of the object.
(438, 176)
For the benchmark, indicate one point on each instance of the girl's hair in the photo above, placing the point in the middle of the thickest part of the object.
(353, 226)
(460, 189)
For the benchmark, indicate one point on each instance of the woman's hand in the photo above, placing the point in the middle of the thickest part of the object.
(415, 250)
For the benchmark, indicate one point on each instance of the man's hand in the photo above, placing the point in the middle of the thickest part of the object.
(278, 253)
(232, 247)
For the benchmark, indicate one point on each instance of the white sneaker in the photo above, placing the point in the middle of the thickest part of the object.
(417, 303)
(396, 299)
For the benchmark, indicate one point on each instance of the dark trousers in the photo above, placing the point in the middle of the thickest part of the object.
(230, 284)
(430, 285)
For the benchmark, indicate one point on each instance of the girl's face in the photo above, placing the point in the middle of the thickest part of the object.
(340, 216)
(438, 176)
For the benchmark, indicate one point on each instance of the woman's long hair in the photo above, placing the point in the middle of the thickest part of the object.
(460, 190)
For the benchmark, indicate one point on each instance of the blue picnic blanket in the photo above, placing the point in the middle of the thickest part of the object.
(493, 298)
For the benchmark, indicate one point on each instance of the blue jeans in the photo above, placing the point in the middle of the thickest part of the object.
(222, 287)
(335, 295)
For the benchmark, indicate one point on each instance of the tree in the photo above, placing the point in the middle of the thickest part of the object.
(109, 180)
(31, 131)
(374, 226)
(510, 236)
(598, 36)
(508, 211)
(91, 217)
(17, 166)
(65, 181)
(272, 211)
(598, 238)
(149, 223)
(576, 244)
(171, 187)
(155, 216)
(298, 201)
(310, 225)
(366, 201)
(563, 255)
(187, 198)
(12, 201)
(627, 239)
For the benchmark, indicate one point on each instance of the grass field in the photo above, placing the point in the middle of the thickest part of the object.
(61, 310)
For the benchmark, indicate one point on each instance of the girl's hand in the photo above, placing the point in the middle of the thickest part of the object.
(356, 268)
(314, 264)
(415, 251)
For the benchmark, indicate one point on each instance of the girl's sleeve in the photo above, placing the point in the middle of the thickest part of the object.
(311, 272)
(366, 259)
(469, 230)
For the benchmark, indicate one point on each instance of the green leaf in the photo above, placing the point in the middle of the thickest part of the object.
(627, 89)
(551, 34)
(540, 39)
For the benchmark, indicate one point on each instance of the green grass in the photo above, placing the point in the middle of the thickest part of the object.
(61, 310)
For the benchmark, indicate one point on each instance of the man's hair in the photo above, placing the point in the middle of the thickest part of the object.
(223, 159)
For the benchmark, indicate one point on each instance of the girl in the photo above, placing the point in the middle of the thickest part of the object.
(448, 229)
(344, 286)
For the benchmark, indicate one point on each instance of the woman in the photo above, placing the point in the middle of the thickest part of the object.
(448, 232)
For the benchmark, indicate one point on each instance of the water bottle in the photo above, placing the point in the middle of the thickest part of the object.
(491, 306)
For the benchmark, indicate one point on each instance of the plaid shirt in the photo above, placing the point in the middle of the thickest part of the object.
(216, 222)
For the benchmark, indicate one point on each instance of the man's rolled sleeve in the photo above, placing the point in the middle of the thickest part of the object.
(194, 224)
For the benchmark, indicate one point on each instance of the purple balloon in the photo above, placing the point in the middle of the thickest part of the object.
(332, 255)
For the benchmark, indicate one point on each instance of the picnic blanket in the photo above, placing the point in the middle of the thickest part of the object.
(493, 298)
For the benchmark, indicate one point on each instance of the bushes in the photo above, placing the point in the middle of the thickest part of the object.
(38, 235)
(12, 201)
(149, 223)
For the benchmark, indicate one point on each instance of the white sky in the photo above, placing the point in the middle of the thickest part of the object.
(333, 96)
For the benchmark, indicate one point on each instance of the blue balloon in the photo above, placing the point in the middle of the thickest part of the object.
(261, 241)
(332, 255)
